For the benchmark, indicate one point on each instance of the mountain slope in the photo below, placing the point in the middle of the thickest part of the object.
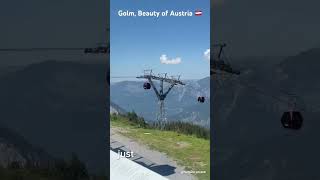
(14, 148)
(60, 107)
(115, 109)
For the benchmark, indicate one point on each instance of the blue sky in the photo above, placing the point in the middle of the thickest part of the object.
(138, 42)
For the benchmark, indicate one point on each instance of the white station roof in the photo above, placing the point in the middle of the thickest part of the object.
(125, 169)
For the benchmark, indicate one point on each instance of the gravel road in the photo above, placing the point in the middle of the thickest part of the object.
(153, 160)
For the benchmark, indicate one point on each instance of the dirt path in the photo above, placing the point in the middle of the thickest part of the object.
(153, 160)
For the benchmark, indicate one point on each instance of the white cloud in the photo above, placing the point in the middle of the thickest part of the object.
(165, 60)
(206, 54)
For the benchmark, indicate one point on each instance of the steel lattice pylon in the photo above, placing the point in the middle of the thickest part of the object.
(161, 94)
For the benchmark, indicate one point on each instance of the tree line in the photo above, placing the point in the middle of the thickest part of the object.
(176, 126)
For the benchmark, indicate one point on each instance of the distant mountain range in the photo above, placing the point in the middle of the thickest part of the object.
(181, 103)
(249, 138)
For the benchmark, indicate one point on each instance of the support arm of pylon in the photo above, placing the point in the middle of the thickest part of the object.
(166, 93)
(154, 88)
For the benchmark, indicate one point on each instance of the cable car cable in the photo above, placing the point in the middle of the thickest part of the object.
(277, 98)
(37, 49)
